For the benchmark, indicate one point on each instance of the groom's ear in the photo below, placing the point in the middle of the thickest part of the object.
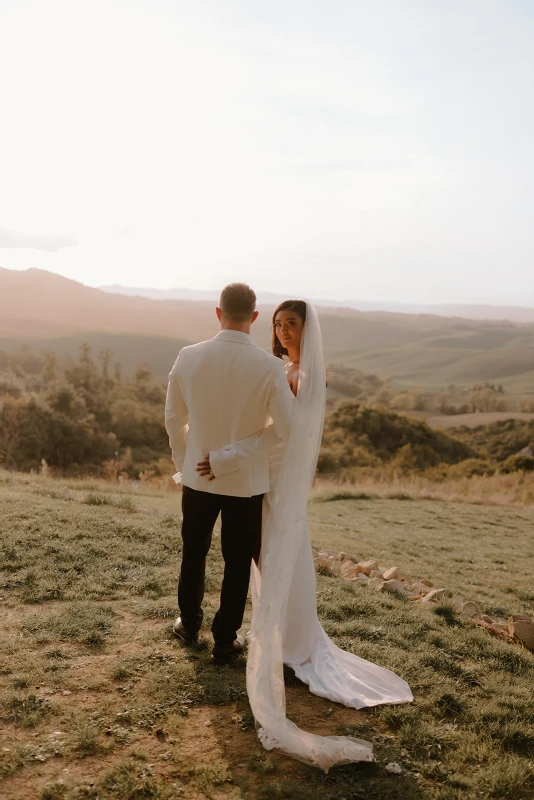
(219, 313)
(254, 317)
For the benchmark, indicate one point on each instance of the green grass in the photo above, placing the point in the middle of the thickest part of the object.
(93, 682)
(484, 553)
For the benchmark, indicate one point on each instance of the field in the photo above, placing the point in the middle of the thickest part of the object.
(99, 701)
(469, 420)
(500, 353)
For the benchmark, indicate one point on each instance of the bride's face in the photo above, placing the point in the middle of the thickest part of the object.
(288, 327)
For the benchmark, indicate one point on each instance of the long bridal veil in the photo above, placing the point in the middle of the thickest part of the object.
(285, 534)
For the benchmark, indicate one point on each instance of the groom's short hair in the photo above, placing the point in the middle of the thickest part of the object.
(238, 302)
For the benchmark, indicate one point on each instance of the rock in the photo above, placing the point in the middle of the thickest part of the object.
(362, 577)
(523, 629)
(395, 768)
(393, 573)
(418, 587)
(367, 566)
(336, 565)
(315, 552)
(349, 570)
(348, 557)
(328, 553)
(393, 586)
(426, 582)
(499, 628)
(470, 609)
(412, 595)
(487, 619)
(457, 601)
(435, 594)
(323, 563)
(375, 573)
(517, 617)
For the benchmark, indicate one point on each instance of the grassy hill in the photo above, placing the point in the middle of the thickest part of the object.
(474, 420)
(99, 701)
(503, 353)
(33, 302)
(430, 351)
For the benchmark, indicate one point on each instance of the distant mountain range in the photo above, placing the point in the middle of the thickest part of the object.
(43, 310)
(463, 310)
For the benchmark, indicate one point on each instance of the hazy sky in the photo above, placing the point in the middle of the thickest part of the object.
(329, 148)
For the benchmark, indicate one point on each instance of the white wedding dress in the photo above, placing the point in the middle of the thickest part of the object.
(284, 626)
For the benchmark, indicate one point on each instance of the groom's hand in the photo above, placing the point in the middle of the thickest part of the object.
(204, 469)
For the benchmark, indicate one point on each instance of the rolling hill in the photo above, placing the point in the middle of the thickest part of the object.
(493, 355)
(36, 303)
(45, 310)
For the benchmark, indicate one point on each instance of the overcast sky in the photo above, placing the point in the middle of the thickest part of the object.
(327, 148)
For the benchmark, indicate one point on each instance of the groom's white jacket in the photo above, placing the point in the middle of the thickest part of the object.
(221, 391)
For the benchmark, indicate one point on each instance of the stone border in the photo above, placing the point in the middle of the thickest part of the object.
(518, 629)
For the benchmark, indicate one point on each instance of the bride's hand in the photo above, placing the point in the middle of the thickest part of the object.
(204, 469)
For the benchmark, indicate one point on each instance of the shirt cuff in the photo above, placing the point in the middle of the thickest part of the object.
(221, 461)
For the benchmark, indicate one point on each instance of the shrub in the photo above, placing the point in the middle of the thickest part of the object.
(358, 436)
(499, 440)
(470, 467)
(516, 463)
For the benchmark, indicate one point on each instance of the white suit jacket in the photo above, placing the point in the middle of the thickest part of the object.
(221, 391)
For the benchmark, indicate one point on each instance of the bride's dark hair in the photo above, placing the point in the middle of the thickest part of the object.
(299, 307)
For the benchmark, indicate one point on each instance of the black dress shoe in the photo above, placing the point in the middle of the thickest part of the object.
(185, 636)
(223, 653)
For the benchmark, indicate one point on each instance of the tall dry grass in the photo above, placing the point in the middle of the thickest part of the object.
(515, 489)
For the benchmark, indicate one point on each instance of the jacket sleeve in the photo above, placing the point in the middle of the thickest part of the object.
(176, 418)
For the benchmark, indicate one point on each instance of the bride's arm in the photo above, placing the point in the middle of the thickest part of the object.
(237, 454)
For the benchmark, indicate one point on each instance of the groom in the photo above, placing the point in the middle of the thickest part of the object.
(221, 391)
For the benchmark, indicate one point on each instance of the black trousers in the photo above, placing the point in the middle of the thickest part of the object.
(240, 542)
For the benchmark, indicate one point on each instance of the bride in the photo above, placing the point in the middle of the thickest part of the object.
(284, 627)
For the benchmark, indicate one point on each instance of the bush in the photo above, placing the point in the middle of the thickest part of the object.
(359, 436)
(499, 440)
(516, 463)
(77, 418)
(328, 461)
(470, 467)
